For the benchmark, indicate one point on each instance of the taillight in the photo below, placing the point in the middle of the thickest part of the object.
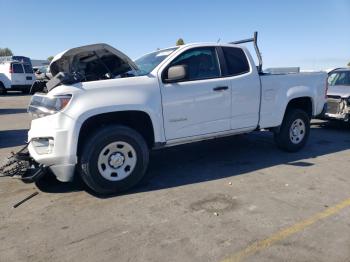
(325, 94)
(10, 69)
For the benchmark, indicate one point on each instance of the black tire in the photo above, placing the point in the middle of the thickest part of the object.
(26, 91)
(283, 138)
(88, 162)
(2, 89)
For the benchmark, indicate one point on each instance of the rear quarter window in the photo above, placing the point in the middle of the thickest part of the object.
(17, 68)
(236, 61)
(28, 69)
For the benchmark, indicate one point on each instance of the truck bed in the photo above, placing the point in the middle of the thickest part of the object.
(277, 88)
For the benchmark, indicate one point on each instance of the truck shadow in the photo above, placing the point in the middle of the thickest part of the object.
(14, 93)
(222, 158)
(10, 111)
(12, 138)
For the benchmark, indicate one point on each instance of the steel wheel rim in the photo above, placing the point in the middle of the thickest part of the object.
(116, 161)
(297, 131)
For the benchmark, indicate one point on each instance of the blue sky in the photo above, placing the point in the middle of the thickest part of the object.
(313, 34)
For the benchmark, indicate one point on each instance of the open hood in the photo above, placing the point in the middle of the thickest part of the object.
(342, 91)
(92, 62)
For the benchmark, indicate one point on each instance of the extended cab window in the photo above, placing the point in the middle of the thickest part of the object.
(28, 69)
(201, 63)
(236, 61)
(17, 68)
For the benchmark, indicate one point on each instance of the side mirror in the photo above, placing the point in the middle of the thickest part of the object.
(176, 73)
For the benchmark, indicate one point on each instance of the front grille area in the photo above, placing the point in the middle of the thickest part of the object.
(333, 105)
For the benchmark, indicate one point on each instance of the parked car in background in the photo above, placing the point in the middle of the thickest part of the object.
(16, 74)
(104, 113)
(42, 75)
(338, 95)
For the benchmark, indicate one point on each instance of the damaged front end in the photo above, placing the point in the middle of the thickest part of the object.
(22, 166)
(338, 108)
(90, 63)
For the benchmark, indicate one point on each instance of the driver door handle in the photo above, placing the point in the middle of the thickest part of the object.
(220, 88)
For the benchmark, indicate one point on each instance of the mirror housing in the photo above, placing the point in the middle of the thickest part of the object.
(176, 73)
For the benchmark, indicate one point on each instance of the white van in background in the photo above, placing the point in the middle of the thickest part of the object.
(16, 73)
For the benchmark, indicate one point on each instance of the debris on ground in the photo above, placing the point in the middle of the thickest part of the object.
(21, 165)
(25, 199)
(14, 167)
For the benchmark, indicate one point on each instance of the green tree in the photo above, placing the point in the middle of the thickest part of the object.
(5, 52)
(180, 41)
(349, 64)
(50, 58)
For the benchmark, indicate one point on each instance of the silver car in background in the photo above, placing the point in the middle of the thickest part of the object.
(338, 95)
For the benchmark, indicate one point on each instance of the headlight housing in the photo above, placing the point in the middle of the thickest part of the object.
(43, 145)
(42, 105)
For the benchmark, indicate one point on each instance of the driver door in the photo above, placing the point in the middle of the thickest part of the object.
(200, 103)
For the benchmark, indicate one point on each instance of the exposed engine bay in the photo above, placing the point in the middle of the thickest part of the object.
(338, 94)
(338, 108)
(90, 63)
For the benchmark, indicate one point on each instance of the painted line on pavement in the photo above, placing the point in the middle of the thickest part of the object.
(284, 233)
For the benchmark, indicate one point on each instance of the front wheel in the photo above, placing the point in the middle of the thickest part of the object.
(294, 131)
(113, 160)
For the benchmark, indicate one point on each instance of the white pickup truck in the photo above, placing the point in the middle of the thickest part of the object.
(104, 112)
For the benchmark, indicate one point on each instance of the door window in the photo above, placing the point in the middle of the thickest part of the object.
(201, 63)
(17, 68)
(28, 69)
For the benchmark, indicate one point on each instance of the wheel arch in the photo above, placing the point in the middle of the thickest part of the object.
(138, 120)
(304, 103)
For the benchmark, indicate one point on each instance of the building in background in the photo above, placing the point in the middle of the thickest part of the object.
(38, 63)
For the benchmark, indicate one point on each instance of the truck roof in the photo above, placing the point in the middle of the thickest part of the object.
(17, 59)
(204, 44)
(340, 69)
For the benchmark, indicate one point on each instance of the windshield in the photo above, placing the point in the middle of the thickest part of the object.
(43, 69)
(148, 62)
(339, 78)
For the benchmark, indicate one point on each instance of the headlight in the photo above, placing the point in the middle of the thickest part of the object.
(42, 105)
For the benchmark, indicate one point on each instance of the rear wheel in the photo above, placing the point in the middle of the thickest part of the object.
(294, 131)
(114, 159)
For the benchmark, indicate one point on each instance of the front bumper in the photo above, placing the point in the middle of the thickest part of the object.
(60, 154)
(343, 117)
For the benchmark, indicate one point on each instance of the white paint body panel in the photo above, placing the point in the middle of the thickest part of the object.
(278, 90)
(180, 113)
(245, 104)
(193, 108)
